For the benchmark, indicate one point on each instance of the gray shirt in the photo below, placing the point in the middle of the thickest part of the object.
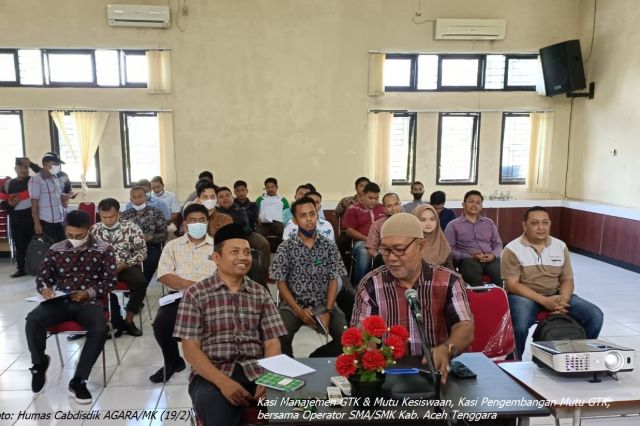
(409, 207)
(47, 191)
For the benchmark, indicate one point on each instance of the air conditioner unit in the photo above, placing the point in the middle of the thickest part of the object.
(125, 15)
(470, 29)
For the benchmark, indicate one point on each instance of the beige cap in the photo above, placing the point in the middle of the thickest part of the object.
(402, 225)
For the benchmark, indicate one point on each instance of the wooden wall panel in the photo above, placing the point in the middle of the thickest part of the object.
(621, 239)
(582, 229)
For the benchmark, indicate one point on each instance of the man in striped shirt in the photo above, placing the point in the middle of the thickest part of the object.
(447, 318)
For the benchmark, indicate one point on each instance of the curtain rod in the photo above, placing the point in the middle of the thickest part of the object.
(63, 108)
(466, 110)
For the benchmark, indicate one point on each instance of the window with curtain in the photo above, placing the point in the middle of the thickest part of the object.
(70, 153)
(140, 146)
(11, 141)
(403, 148)
(458, 135)
(516, 139)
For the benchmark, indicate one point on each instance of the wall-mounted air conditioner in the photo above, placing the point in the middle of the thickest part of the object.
(126, 15)
(470, 29)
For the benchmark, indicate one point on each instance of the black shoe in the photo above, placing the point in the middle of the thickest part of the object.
(72, 337)
(18, 273)
(39, 375)
(159, 376)
(78, 390)
(132, 330)
(117, 333)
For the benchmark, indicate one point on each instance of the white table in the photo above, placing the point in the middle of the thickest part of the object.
(576, 397)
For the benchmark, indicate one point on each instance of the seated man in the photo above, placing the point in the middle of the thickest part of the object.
(306, 268)
(437, 200)
(206, 192)
(151, 200)
(241, 201)
(227, 322)
(185, 261)
(475, 243)
(153, 225)
(129, 248)
(168, 198)
(538, 276)
(346, 202)
(392, 205)
(85, 266)
(270, 211)
(325, 227)
(301, 191)
(205, 175)
(440, 290)
(357, 222)
(417, 191)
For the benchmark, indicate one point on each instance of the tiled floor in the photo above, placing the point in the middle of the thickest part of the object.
(615, 290)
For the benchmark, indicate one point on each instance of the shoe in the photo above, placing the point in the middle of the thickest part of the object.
(18, 273)
(132, 330)
(72, 337)
(117, 333)
(39, 375)
(78, 390)
(159, 376)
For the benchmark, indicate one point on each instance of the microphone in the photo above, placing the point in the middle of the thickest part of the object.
(412, 297)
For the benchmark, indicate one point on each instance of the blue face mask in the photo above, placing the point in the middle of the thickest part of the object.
(197, 230)
(306, 233)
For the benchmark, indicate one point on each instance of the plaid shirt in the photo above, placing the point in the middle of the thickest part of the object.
(442, 297)
(150, 220)
(126, 239)
(231, 327)
(92, 268)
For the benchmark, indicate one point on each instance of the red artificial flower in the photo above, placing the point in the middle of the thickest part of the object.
(352, 337)
(400, 331)
(397, 344)
(374, 325)
(346, 365)
(373, 360)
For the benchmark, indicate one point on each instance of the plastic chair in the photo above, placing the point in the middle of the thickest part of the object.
(73, 327)
(90, 208)
(493, 328)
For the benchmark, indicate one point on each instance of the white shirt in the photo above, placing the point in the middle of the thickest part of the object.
(324, 228)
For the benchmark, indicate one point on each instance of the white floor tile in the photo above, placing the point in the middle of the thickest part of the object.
(119, 398)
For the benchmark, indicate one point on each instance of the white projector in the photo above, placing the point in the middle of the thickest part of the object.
(582, 356)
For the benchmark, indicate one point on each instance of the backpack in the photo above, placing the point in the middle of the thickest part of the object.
(36, 252)
(558, 327)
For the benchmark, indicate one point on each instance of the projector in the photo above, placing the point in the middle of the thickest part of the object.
(582, 356)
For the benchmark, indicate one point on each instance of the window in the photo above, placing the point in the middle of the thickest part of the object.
(460, 72)
(70, 154)
(514, 157)
(11, 141)
(73, 68)
(458, 148)
(140, 146)
(403, 148)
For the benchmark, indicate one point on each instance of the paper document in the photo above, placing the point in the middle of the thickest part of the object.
(39, 299)
(286, 366)
(169, 298)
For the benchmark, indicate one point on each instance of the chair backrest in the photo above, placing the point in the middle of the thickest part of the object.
(493, 328)
(90, 208)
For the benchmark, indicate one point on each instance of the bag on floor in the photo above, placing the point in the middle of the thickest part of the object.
(558, 327)
(36, 252)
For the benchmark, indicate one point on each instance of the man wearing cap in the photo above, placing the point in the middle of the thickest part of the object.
(18, 205)
(443, 302)
(47, 200)
(226, 323)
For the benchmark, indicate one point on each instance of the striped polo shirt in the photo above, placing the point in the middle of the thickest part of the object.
(541, 272)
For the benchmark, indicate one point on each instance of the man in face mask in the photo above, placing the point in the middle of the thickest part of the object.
(417, 191)
(47, 200)
(153, 201)
(184, 262)
(306, 268)
(207, 197)
(129, 248)
(168, 198)
(85, 267)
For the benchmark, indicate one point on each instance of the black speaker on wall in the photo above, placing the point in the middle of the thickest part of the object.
(562, 67)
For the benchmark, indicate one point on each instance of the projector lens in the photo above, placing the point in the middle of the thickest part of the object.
(613, 361)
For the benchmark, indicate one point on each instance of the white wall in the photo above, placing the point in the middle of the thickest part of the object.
(278, 87)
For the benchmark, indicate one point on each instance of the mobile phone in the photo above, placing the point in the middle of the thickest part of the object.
(461, 371)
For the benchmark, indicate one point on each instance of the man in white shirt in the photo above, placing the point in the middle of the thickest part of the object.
(324, 227)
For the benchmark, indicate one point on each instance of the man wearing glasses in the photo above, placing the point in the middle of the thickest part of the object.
(538, 276)
(185, 261)
(447, 318)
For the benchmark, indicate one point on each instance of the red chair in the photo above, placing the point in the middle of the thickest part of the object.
(72, 327)
(90, 208)
(493, 328)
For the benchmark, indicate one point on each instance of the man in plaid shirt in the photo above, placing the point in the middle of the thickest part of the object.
(226, 323)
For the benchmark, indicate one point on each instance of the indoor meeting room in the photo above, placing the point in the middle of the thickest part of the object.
(232, 212)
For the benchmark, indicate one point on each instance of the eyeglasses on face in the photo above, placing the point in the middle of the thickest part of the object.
(397, 251)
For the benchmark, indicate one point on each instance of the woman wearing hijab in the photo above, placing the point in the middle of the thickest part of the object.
(437, 250)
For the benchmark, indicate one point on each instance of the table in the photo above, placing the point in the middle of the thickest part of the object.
(466, 399)
(577, 398)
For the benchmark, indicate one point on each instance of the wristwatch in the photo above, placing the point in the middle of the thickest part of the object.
(452, 350)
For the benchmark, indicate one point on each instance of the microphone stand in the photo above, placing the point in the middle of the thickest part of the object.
(436, 375)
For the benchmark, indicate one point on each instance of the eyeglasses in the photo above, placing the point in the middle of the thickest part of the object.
(397, 251)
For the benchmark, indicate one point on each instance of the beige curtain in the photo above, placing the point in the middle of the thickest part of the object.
(379, 148)
(376, 74)
(159, 66)
(540, 151)
(58, 120)
(89, 128)
(167, 149)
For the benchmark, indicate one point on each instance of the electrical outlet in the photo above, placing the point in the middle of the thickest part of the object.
(613, 152)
